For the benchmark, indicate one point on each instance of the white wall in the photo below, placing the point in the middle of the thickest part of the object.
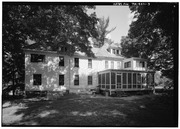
(50, 71)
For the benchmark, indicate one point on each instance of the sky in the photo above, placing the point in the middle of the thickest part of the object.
(120, 17)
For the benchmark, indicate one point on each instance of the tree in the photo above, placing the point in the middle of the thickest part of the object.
(50, 25)
(102, 32)
(152, 35)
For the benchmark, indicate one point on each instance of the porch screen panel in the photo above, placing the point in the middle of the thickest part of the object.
(147, 78)
(150, 79)
(124, 80)
(103, 80)
(119, 80)
(113, 79)
(134, 80)
(129, 80)
(99, 80)
(143, 80)
(139, 80)
(107, 80)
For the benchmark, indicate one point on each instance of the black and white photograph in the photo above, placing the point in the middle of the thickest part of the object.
(90, 64)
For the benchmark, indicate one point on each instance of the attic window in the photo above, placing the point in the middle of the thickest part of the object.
(114, 51)
(118, 52)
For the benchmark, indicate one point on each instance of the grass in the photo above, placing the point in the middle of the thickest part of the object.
(85, 110)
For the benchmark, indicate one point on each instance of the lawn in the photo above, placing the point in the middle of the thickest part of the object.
(86, 110)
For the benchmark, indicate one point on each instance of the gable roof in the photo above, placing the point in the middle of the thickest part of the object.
(98, 52)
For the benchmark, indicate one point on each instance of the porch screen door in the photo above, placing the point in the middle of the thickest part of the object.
(118, 80)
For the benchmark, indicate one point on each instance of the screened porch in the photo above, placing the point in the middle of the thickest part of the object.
(125, 80)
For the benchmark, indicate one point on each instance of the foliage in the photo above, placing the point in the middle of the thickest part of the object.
(152, 35)
(51, 25)
(102, 32)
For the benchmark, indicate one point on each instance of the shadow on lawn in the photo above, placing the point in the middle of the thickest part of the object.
(76, 110)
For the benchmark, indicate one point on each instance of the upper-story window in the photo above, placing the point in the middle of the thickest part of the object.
(127, 64)
(112, 64)
(89, 63)
(37, 58)
(118, 65)
(140, 64)
(61, 61)
(63, 49)
(106, 64)
(76, 62)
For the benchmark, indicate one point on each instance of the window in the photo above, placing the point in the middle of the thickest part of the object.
(89, 80)
(137, 63)
(114, 51)
(118, 65)
(118, 52)
(76, 80)
(61, 79)
(89, 63)
(36, 79)
(61, 61)
(142, 64)
(63, 49)
(37, 58)
(112, 64)
(106, 64)
(127, 64)
(76, 62)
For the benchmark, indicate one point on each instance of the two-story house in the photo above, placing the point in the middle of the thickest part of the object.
(47, 70)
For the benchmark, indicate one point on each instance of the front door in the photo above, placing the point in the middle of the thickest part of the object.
(118, 80)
